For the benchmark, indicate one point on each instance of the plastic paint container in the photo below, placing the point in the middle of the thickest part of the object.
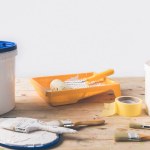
(8, 51)
(147, 86)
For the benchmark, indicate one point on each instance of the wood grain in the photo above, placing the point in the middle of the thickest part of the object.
(29, 104)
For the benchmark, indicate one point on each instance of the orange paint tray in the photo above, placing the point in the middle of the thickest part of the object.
(55, 98)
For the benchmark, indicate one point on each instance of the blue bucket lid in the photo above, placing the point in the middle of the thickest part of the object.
(6, 46)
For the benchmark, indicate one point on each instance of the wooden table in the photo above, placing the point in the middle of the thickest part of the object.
(29, 104)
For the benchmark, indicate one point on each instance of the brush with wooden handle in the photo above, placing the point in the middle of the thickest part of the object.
(131, 137)
(27, 125)
(138, 126)
(68, 123)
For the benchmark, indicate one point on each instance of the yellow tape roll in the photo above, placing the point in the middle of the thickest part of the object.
(127, 106)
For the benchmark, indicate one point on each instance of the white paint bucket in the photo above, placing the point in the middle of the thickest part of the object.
(147, 86)
(8, 51)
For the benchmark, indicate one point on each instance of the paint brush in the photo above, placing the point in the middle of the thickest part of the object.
(139, 126)
(69, 123)
(131, 137)
(27, 125)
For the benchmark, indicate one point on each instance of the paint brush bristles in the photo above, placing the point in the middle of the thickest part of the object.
(130, 137)
(136, 125)
(139, 126)
(127, 136)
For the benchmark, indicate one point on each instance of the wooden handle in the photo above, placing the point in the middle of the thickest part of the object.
(90, 123)
(144, 137)
(98, 76)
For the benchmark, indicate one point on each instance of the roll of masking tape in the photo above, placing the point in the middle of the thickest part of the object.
(126, 106)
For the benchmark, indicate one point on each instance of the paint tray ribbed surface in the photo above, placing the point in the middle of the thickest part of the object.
(77, 92)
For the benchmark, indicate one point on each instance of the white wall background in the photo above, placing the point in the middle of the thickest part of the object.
(70, 36)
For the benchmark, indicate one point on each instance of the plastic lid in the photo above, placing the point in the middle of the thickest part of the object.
(6, 46)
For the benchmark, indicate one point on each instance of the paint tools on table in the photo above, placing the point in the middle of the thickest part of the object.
(34, 134)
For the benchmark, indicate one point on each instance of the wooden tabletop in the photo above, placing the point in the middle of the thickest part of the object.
(29, 104)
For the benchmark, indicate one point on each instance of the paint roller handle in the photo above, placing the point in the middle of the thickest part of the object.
(98, 76)
(89, 123)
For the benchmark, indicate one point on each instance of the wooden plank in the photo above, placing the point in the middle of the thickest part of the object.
(29, 104)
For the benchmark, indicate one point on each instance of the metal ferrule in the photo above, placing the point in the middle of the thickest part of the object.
(132, 136)
(146, 126)
(67, 123)
(75, 81)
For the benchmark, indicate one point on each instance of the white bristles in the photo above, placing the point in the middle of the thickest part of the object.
(77, 85)
(133, 136)
(27, 125)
